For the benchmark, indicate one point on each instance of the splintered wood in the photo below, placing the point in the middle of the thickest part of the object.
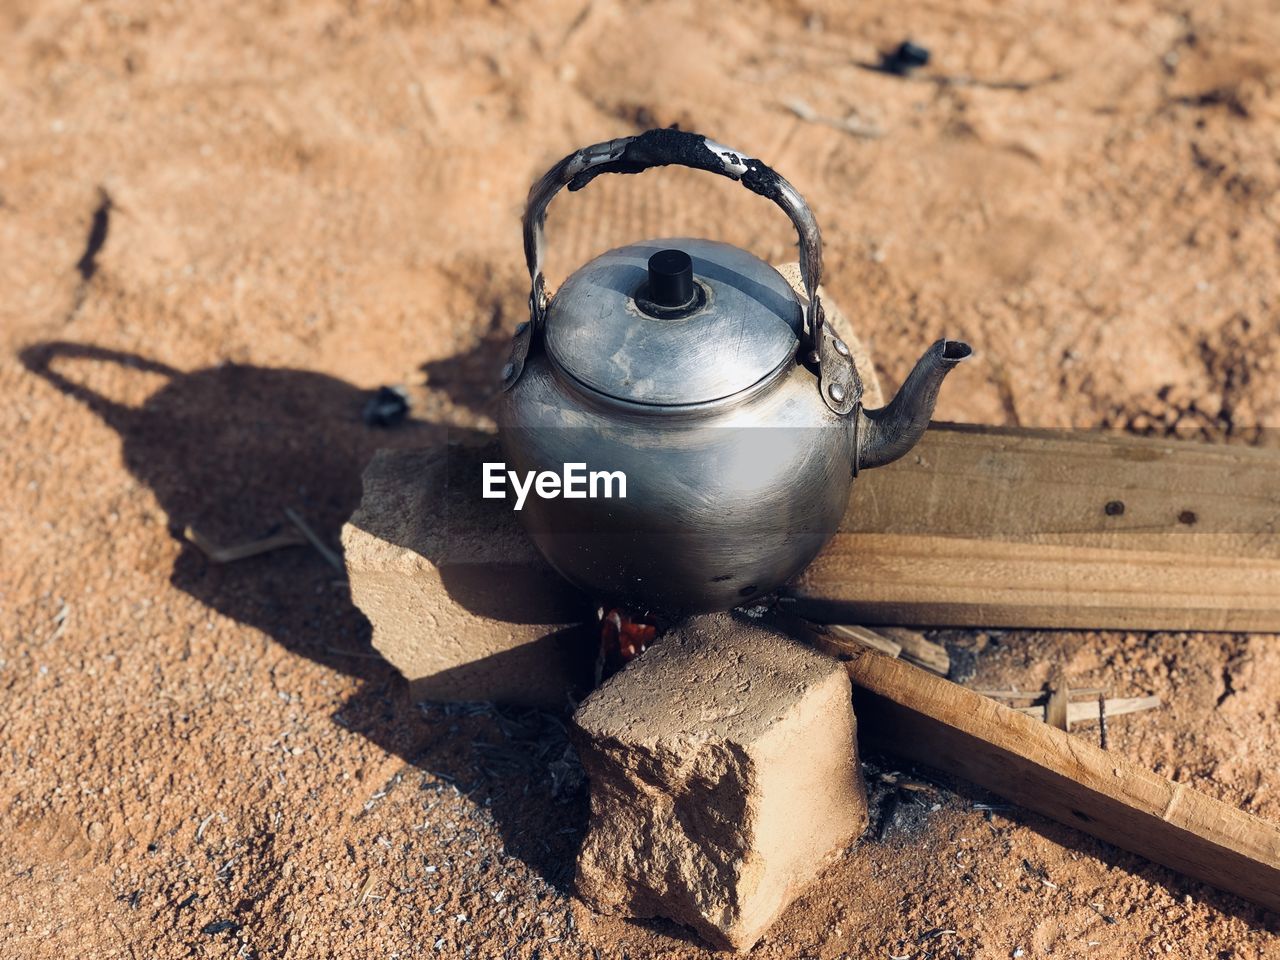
(1091, 710)
(905, 711)
(1028, 528)
(1055, 709)
(839, 640)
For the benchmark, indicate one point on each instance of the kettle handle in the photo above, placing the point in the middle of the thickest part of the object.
(838, 380)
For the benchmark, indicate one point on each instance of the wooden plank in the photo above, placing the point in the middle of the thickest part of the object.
(906, 711)
(1028, 528)
(947, 581)
(1076, 487)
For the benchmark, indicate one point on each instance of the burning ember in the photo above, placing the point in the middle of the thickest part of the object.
(623, 637)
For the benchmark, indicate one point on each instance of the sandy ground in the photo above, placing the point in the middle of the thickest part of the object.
(221, 224)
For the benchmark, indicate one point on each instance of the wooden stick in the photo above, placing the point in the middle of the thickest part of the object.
(894, 641)
(1033, 528)
(1010, 694)
(1088, 710)
(848, 637)
(919, 650)
(299, 535)
(288, 537)
(842, 640)
(1036, 694)
(1055, 708)
(313, 538)
(1102, 721)
(906, 711)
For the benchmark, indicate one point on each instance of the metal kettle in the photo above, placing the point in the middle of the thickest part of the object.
(693, 369)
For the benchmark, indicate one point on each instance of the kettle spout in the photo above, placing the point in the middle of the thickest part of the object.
(886, 434)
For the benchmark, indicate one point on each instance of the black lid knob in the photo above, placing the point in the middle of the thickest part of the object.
(671, 279)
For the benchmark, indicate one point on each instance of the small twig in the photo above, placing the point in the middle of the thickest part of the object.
(963, 80)
(1102, 721)
(200, 829)
(285, 538)
(934, 934)
(226, 866)
(1010, 694)
(299, 535)
(843, 635)
(1088, 712)
(59, 618)
(1038, 694)
(851, 124)
(313, 538)
(919, 650)
(354, 653)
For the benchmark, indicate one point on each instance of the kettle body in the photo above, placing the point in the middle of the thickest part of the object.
(691, 370)
(724, 501)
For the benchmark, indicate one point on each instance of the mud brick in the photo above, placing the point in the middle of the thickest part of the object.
(460, 601)
(724, 775)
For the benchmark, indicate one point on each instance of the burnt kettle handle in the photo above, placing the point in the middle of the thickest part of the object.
(664, 147)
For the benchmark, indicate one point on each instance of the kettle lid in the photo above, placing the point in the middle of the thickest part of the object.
(673, 322)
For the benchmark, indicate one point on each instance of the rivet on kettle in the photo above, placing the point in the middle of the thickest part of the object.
(836, 391)
(508, 370)
(842, 348)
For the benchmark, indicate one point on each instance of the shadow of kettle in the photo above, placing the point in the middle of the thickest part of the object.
(226, 449)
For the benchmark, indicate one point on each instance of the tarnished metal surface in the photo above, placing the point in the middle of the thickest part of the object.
(725, 501)
(749, 326)
(739, 425)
